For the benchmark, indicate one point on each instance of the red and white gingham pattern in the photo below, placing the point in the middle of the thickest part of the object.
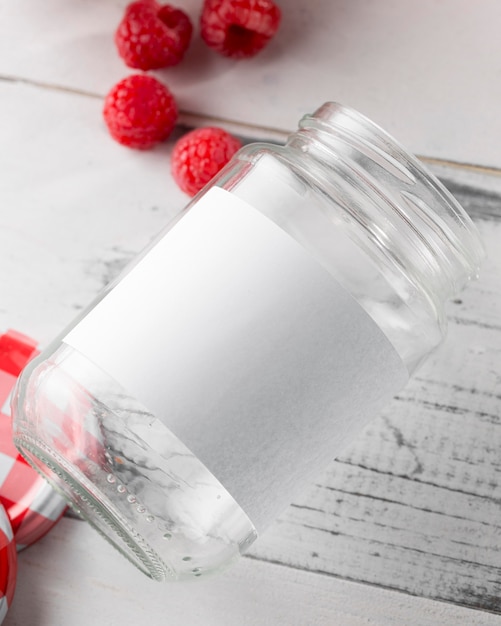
(32, 505)
(8, 564)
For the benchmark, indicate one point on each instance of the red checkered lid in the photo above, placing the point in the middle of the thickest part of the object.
(8, 564)
(32, 506)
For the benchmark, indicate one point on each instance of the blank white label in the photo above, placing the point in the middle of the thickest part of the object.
(234, 336)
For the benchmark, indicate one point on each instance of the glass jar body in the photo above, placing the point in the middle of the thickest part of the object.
(119, 465)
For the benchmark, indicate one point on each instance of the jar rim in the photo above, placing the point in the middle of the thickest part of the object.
(435, 222)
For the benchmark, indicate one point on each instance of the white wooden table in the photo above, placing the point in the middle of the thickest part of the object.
(404, 527)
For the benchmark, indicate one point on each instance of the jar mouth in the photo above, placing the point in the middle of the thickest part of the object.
(438, 240)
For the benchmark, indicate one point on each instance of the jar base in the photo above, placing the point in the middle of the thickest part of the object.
(123, 469)
(88, 503)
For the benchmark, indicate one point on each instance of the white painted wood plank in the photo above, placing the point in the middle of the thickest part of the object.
(73, 577)
(427, 71)
(75, 206)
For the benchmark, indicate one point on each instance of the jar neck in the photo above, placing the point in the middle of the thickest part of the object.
(401, 211)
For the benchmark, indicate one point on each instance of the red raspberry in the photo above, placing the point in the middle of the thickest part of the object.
(151, 36)
(200, 155)
(239, 28)
(140, 112)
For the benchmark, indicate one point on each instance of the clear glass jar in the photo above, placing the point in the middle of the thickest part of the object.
(371, 217)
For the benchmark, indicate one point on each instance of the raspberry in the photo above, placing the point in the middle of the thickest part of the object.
(201, 154)
(140, 112)
(239, 28)
(151, 36)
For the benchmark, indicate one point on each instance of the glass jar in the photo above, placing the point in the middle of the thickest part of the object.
(226, 366)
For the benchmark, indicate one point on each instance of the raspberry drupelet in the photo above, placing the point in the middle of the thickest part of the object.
(151, 36)
(239, 28)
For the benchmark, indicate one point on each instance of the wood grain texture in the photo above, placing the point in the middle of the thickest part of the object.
(414, 504)
(73, 577)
